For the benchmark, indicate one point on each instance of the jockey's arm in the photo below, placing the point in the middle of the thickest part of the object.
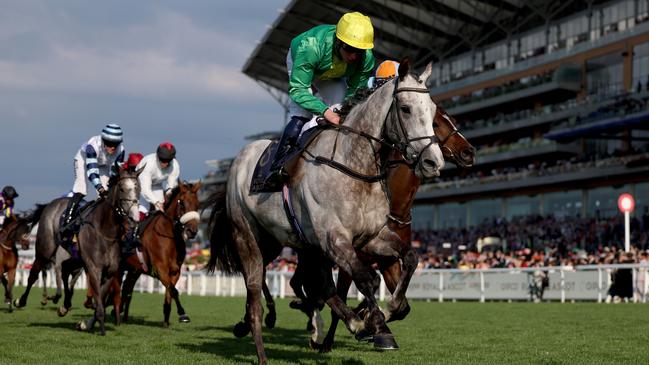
(172, 179)
(145, 185)
(359, 78)
(92, 167)
(305, 59)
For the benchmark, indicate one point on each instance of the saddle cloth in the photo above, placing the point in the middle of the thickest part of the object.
(262, 180)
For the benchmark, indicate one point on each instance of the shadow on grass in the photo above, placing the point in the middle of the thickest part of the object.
(241, 349)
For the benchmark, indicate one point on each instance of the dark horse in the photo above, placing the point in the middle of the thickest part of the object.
(102, 229)
(15, 229)
(163, 247)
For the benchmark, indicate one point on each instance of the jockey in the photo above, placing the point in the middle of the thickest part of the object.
(7, 203)
(132, 161)
(93, 162)
(159, 175)
(387, 70)
(325, 64)
(160, 172)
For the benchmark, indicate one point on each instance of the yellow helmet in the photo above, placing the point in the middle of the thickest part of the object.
(387, 70)
(355, 29)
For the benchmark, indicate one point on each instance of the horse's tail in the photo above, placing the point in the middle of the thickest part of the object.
(35, 215)
(223, 254)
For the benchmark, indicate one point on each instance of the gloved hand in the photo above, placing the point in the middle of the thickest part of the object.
(102, 192)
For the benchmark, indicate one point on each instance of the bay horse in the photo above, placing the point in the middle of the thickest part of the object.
(164, 248)
(339, 213)
(102, 229)
(15, 229)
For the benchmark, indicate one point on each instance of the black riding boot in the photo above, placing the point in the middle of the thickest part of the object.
(132, 240)
(287, 142)
(71, 210)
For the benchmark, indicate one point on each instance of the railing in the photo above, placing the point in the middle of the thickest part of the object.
(588, 283)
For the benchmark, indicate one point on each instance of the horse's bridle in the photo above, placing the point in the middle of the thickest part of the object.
(404, 146)
(454, 131)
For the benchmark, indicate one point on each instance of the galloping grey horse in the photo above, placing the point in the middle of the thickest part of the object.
(47, 253)
(338, 212)
(101, 232)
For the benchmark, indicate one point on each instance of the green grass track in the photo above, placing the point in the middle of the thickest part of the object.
(433, 333)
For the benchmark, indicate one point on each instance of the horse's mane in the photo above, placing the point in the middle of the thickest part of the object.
(172, 196)
(360, 96)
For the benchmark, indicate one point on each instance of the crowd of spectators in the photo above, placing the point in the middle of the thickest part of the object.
(533, 241)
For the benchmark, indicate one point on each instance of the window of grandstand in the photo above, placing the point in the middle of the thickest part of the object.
(423, 216)
(602, 202)
(641, 67)
(604, 75)
(563, 203)
(452, 215)
(481, 210)
(523, 205)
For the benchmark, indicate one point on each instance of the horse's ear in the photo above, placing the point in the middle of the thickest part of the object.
(404, 68)
(139, 171)
(197, 186)
(426, 74)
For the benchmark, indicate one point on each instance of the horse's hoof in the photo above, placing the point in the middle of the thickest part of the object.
(165, 324)
(326, 346)
(314, 345)
(7, 301)
(55, 299)
(241, 329)
(400, 315)
(44, 302)
(270, 320)
(17, 304)
(384, 342)
(88, 304)
(296, 304)
(82, 326)
(364, 336)
(62, 311)
(184, 318)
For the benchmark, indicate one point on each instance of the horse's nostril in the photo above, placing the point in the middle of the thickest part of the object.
(430, 162)
(468, 154)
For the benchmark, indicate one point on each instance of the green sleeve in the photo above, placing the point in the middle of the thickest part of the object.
(359, 78)
(305, 59)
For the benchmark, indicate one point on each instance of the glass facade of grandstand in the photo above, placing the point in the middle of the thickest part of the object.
(532, 133)
(594, 203)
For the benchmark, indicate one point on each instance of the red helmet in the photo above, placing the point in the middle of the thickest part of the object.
(133, 160)
(166, 151)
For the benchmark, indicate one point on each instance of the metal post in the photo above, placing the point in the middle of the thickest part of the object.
(599, 285)
(203, 284)
(282, 285)
(563, 286)
(482, 299)
(218, 284)
(627, 231)
(232, 286)
(441, 288)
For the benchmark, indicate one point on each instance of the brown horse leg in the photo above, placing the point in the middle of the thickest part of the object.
(89, 294)
(182, 316)
(115, 290)
(33, 276)
(166, 307)
(11, 276)
(45, 298)
(271, 317)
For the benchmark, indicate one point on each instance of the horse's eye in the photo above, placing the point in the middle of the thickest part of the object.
(435, 125)
(405, 109)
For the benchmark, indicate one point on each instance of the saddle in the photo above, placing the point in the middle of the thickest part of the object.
(263, 180)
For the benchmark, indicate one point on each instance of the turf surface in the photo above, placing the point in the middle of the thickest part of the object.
(433, 333)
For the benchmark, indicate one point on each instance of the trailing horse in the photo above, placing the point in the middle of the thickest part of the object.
(15, 229)
(163, 247)
(338, 212)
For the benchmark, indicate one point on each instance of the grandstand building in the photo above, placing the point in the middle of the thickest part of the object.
(553, 93)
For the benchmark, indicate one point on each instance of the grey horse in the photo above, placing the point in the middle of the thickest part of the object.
(48, 254)
(101, 232)
(338, 213)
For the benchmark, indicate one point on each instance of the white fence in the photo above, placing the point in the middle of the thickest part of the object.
(588, 283)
